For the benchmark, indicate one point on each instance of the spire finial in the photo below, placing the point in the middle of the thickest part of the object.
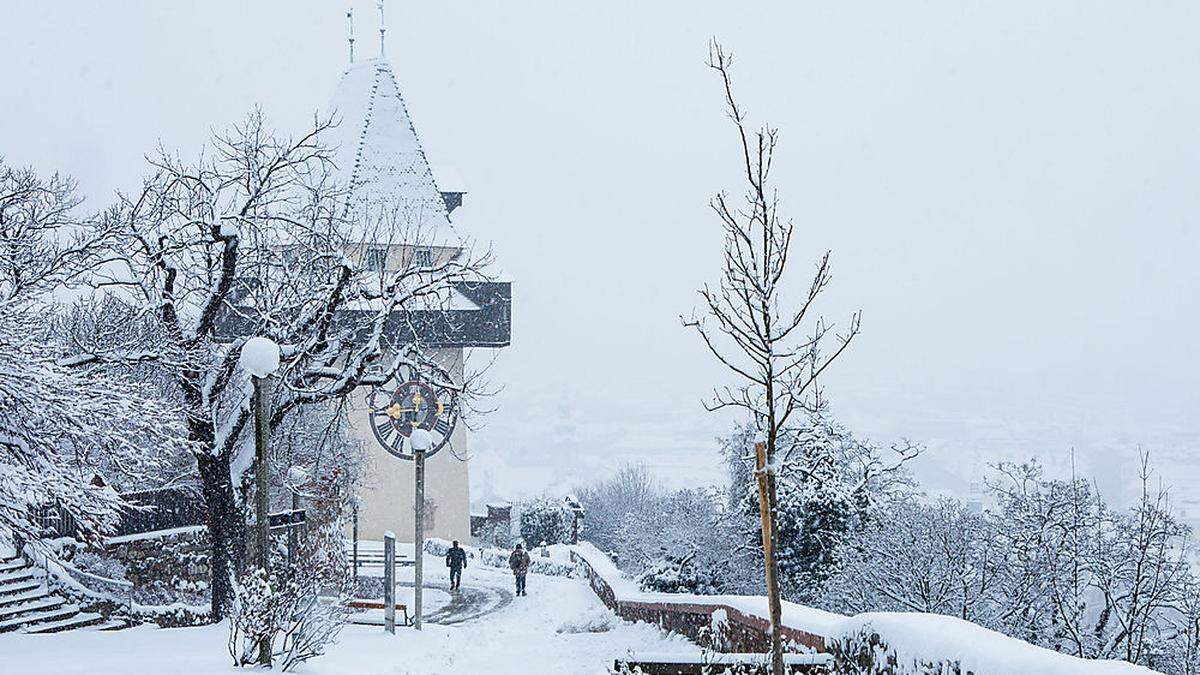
(382, 30)
(350, 21)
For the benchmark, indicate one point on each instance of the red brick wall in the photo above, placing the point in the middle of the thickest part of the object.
(742, 633)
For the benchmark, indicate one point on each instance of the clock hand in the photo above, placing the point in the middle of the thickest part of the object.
(393, 412)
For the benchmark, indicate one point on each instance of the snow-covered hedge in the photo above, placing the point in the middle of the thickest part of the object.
(879, 643)
(496, 557)
(674, 573)
(903, 643)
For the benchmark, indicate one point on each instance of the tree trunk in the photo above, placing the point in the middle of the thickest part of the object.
(226, 531)
(766, 507)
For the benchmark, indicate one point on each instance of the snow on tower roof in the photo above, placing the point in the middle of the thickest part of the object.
(393, 195)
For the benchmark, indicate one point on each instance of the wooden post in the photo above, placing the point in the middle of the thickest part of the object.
(766, 500)
(293, 536)
(419, 537)
(262, 530)
(355, 554)
(389, 582)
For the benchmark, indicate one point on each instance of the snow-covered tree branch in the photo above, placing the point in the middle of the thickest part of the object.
(253, 239)
(60, 426)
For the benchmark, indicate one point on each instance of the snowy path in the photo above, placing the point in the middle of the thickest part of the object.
(522, 637)
(470, 602)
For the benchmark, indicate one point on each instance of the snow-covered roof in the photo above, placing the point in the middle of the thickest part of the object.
(393, 195)
(440, 299)
(448, 179)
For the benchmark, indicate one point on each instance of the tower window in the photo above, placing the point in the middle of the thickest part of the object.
(423, 257)
(375, 259)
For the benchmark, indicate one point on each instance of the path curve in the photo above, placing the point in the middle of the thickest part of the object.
(471, 601)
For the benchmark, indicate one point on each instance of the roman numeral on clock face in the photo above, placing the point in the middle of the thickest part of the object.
(442, 427)
(383, 426)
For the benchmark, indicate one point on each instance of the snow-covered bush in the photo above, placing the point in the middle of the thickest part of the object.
(290, 615)
(300, 609)
(308, 626)
(545, 521)
(676, 573)
(100, 565)
(597, 619)
(496, 534)
(635, 518)
(255, 616)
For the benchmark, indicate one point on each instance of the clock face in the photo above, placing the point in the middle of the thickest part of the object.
(415, 403)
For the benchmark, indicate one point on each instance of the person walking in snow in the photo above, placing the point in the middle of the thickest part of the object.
(456, 560)
(519, 562)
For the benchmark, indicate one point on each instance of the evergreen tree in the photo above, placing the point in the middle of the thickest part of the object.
(829, 486)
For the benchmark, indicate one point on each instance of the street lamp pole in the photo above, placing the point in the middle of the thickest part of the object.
(421, 441)
(261, 434)
(260, 358)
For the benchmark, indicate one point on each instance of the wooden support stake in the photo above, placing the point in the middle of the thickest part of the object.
(766, 499)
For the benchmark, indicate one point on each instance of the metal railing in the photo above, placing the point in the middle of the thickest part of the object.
(148, 511)
(59, 572)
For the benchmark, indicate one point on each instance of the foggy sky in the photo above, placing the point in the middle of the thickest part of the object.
(1008, 188)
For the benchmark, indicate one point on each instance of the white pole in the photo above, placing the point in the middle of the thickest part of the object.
(419, 540)
(389, 582)
(421, 441)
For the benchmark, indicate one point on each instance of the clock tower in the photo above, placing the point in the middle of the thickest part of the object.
(400, 218)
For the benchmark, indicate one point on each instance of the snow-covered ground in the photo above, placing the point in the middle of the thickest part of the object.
(522, 638)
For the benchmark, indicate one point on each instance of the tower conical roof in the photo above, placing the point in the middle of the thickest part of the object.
(392, 193)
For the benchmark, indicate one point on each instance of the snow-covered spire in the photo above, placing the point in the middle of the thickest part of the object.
(379, 157)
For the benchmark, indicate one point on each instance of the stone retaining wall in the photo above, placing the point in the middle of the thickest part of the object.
(167, 566)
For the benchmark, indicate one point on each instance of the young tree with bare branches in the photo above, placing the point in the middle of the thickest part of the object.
(773, 351)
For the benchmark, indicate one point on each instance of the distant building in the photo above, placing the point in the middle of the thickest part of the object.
(494, 528)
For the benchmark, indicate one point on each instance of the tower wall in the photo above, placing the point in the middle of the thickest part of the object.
(388, 487)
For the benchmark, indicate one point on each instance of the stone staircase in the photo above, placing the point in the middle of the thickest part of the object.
(27, 605)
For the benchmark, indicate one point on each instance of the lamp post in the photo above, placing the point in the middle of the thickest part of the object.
(421, 441)
(260, 358)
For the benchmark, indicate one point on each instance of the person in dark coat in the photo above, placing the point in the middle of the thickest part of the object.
(519, 562)
(456, 560)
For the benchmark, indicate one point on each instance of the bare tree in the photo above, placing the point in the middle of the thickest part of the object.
(253, 239)
(1141, 563)
(774, 352)
(58, 426)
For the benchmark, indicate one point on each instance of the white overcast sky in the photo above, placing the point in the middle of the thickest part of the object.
(1009, 190)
